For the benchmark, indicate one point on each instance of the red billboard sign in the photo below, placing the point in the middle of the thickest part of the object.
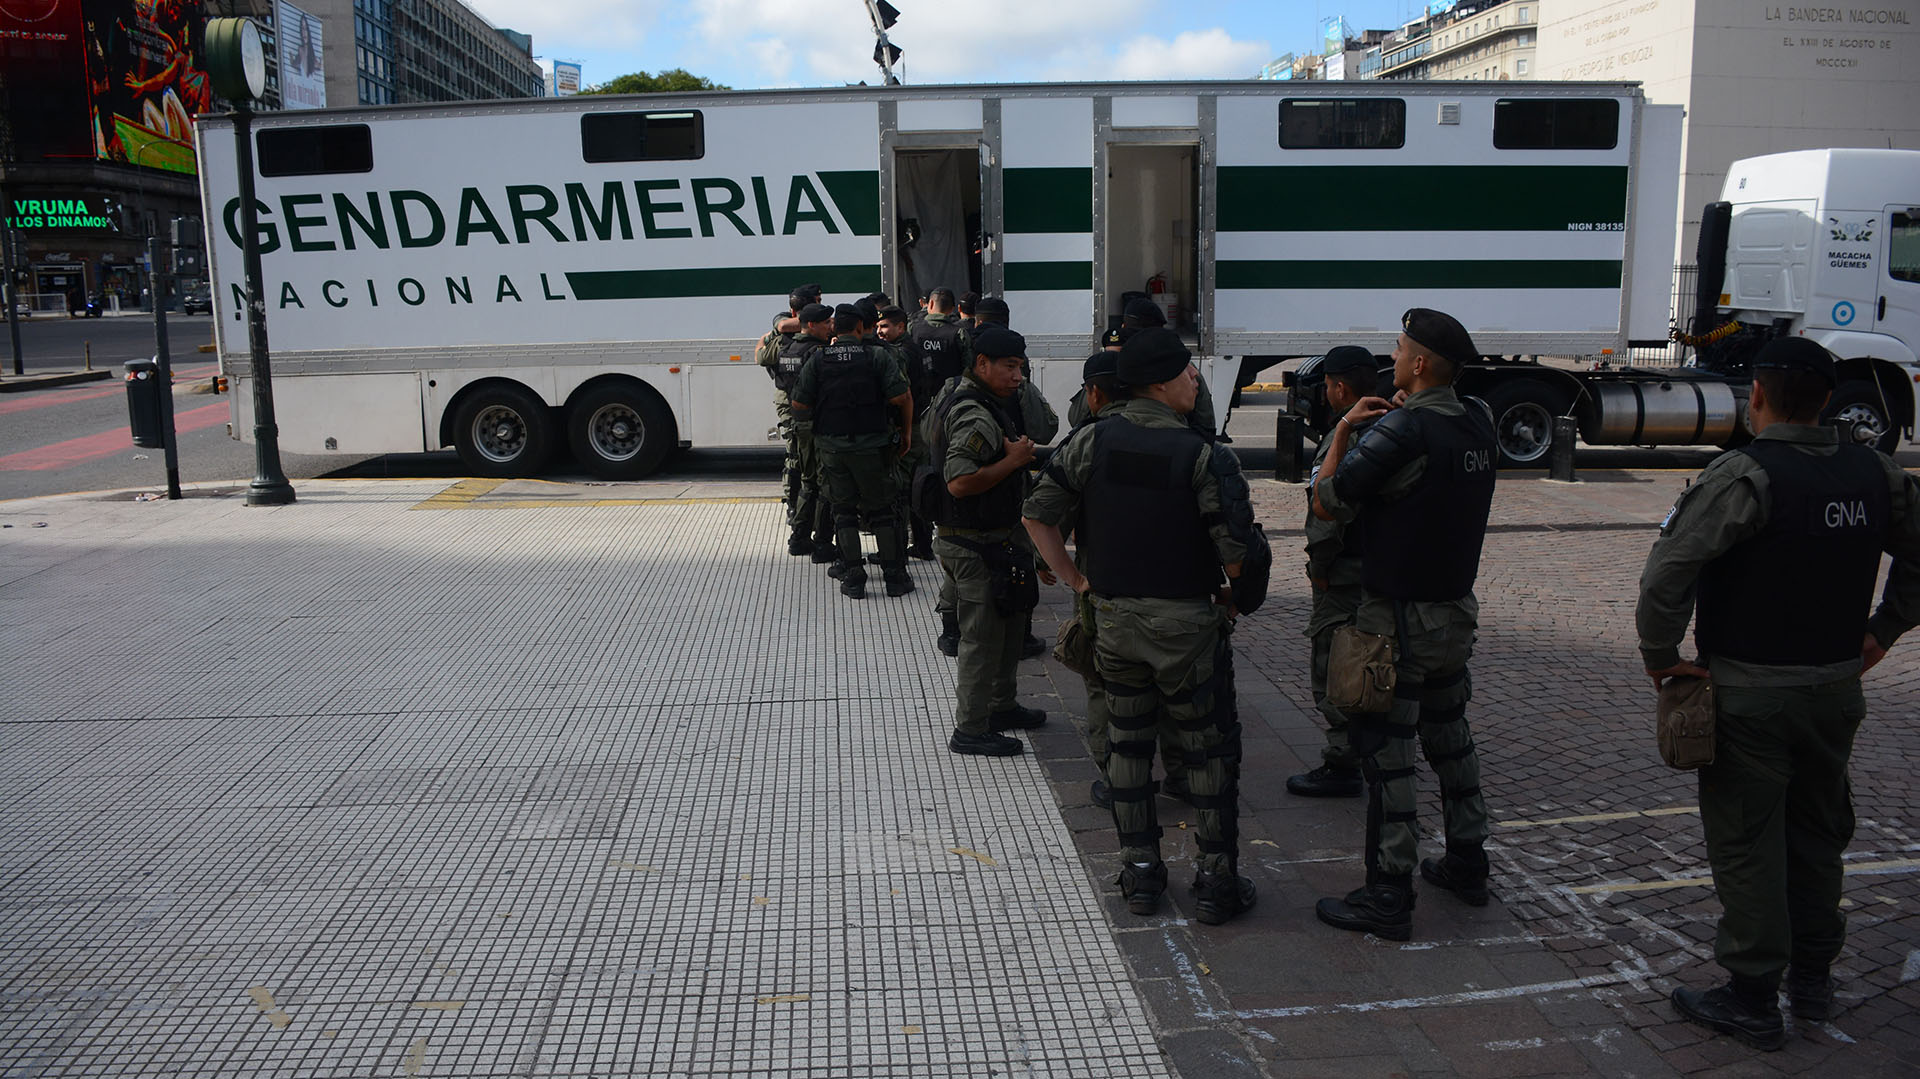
(43, 81)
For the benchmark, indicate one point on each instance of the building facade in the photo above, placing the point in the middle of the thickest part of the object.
(1756, 78)
(1478, 40)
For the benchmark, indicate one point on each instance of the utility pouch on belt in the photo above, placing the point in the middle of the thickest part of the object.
(1074, 647)
(1684, 727)
(1014, 585)
(1360, 675)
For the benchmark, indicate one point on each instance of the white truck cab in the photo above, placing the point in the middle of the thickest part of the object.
(1825, 244)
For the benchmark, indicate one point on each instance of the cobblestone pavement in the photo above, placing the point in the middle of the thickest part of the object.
(1603, 899)
(504, 778)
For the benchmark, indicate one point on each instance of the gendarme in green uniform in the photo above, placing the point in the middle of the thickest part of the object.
(1778, 545)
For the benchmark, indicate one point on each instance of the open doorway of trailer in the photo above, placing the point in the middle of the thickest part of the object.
(937, 210)
(1152, 244)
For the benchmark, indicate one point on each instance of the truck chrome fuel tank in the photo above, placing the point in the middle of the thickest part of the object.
(1660, 412)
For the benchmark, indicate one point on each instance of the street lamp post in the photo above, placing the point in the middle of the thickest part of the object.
(237, 66)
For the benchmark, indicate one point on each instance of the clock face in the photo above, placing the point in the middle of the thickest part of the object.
(253, 59)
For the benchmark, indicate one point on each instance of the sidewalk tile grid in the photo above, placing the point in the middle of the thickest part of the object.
(581, 792)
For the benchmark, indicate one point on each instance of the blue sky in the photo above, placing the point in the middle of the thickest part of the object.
(750, 44)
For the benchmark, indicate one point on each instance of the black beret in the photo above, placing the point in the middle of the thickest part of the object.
(846, 310)
(1441, 334)
(808, 293)
(1153, 355)
(1344, 358)
(993, 309)
(815, 312)
(998, 342)
(1112, 338)
(869, 311)
(1796, 354)
(1145, 312)
(1100, 363)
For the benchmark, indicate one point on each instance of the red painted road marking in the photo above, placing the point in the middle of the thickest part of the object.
(75, 450)
(33, 399)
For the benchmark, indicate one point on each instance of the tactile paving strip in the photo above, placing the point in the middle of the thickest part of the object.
(344, 789)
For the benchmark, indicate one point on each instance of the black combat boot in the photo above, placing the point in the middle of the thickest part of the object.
(1017, 718)
(1384, 907)
(1220, 896)
(984, 745)
(1463, 871)
(1327, 781)
(824, 552)
(854, 584)
(922, 546)
(1100, 794)
(1747, 1008)
(1810, 991)
(1142, 884)
(898, 583)
(949, 633)
(799, 543)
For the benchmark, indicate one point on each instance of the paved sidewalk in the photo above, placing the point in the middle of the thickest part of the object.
(372, 785)
(533, 779)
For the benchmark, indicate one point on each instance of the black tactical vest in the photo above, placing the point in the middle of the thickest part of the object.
(1140, 518)
(998, 506)
(847, 397)
(794, 351)
(936, 357)
(1799, 592)
(1426, 546)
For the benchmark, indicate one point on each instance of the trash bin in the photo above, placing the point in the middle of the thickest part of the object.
(144, 416)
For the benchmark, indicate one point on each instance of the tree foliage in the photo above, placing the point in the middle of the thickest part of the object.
(676, 81)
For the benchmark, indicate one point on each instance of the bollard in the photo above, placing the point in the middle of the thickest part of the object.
(88, 346)
(1287, 451)
(1560, 453)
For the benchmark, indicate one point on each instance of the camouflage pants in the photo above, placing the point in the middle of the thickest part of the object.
(1163, 663)
(1429, 703)
(1099, 720)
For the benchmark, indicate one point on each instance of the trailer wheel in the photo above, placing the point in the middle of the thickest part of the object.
(1858, 406)
(620, 430)
(1523, 413)
(503, 430)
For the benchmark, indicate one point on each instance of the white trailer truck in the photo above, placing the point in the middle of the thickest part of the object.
(503, 277)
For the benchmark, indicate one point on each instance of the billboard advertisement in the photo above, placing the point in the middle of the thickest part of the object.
(566, 78)
(303, 74)
(1334, 35)
(43, 80)
(146, 80)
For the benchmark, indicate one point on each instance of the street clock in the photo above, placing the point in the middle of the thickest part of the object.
(236, 61)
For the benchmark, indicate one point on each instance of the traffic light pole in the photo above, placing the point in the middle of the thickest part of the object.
(269, 486)
(11, 288)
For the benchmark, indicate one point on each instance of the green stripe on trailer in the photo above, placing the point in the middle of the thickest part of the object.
(1423, 274)
(1422, 198)
(857, 196)
(1048, 276)
(1048, 200)
(729, 281)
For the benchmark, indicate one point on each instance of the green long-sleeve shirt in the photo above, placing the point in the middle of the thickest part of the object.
(1730, 502)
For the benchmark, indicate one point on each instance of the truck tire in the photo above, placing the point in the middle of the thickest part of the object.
(1858, 404)
(620, 430)
(1523, 413)
(503, 430)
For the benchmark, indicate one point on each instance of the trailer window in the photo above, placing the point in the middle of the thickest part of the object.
(315, 151)
(1903, 251)
(642, 136)
(1556, 124)
(1343, 124)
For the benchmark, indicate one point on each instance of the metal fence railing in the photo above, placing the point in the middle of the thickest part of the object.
(1686, 278)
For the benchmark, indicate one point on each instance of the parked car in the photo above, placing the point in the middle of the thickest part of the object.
(197, 302)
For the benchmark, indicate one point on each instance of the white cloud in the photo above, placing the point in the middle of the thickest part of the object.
(1194, 54)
